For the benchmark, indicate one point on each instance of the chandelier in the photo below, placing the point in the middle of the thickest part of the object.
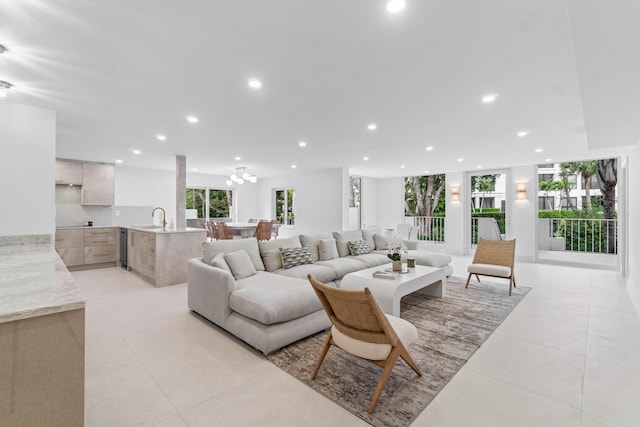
(241, 176)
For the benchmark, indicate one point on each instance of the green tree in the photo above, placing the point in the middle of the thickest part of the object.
(422, 194)
(607, 173)
(567, 169)
(587, 169)
(551, 185)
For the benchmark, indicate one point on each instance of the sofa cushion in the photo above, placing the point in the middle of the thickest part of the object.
(490, 270)
(240, 264)
(218, 261)
(343, 238)
(373, 259)
(292, 257)
(359, 247)
(431, 259)
(313, 241)
(270, 251)
(368, 234)
(211, 249)
(343, 265)
(381, 241)
(272, 298)
(319, 272)
(327, 249)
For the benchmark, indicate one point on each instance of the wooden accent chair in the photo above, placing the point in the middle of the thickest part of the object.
(361, 328)
(494, 258)
(275, 227)
(212, 230)
(263, 230)
(223, 231)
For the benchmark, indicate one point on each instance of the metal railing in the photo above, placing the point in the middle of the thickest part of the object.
(592, 235)
(430, 228)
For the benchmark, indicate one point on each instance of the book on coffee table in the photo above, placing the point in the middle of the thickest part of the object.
(385, 275)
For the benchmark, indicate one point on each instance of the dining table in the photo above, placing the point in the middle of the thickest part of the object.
(244, 229)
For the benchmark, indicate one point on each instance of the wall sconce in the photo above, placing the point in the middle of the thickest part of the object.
(455, 193)
(521, 191)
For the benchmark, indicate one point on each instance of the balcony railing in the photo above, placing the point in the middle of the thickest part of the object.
(591, 235)
(430, 228)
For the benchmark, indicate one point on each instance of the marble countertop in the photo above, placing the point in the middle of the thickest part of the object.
(34, 282)
(159, 230)
(87, 227)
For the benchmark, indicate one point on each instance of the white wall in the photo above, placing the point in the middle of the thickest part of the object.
(523, 213)
(633, 204)
(456, 220)
(369, 203)
(319, 197)
(390, 202)
(27, 170)
(146, 187)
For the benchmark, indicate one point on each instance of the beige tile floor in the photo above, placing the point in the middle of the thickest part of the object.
(569, 355)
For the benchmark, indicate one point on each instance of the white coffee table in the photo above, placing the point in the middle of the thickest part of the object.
(432, 281)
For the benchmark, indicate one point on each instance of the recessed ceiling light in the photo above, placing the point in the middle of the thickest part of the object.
(161, 137)
(395, 6)
(192, 119)
(461, 159)
(237, 158)
(489, 98)
(426, 171)
(293, 166)
(523, 133)
(365, 158)
(194, 169)
(479, 166)
(538, 150)
(118, 161)
(547, 160)
(372, 126)
(402, 166)
(255, 84)
(137, 152)
(429, 148)
(302, 144)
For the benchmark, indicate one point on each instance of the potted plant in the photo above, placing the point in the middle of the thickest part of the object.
(396, 250)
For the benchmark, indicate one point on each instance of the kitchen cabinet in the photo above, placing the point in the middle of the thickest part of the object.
(82, 248)
(142, 253)
(97, 184)
(68, 172)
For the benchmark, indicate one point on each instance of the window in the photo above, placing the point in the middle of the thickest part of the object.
(210, 202)
(565, 205)
(593, 183)
(545, 177)
(572, 180)
(284, 205)
(546, 166)
(488, 202)
(546, 203)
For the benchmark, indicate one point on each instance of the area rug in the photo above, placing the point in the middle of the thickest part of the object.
(450, 330)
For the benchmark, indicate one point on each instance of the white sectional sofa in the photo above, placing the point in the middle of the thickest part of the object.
(243, 286)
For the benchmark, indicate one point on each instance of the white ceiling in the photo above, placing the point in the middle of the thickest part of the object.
(119, 72)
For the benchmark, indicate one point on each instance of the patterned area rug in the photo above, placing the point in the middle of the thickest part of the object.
(450, 330)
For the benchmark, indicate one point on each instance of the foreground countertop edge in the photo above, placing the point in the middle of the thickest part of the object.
(34, 282)
(172, 231)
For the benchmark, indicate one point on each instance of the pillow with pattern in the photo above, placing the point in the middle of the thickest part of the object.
(292, 257)
(359, 247)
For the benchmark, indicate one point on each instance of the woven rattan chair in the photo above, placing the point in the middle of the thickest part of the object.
(212, 230)
(223, 231)
(362, 329)
(263, 230)
(275, 227)
(494, 258)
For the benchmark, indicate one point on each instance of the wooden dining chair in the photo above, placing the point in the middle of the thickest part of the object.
(275, 227)
(212, 230)
(361, 328)
(223, 231)
(263, 230)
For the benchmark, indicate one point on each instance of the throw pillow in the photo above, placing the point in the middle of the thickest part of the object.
(219, 262)
(381, 241)
(359, 247)
(327, 249)
(292, 257)
(240, 264)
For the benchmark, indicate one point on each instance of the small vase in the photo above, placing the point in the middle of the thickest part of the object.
(397, 265)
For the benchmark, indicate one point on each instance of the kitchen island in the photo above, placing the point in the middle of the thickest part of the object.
(42, 318)
(161, 256)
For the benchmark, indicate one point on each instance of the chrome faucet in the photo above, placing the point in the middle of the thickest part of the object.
(164, 216)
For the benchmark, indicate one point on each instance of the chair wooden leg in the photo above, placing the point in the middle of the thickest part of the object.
(510, 285)
(468, 278)
(404, 354)
(514, 281)
(478, 277)
(323, 354)
(388, 367)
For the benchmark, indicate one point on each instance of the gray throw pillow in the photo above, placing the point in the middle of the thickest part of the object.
(359, 247)
(292, 257)
(327, 249)
(240, 264)
(381, 241)
(219, 262)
